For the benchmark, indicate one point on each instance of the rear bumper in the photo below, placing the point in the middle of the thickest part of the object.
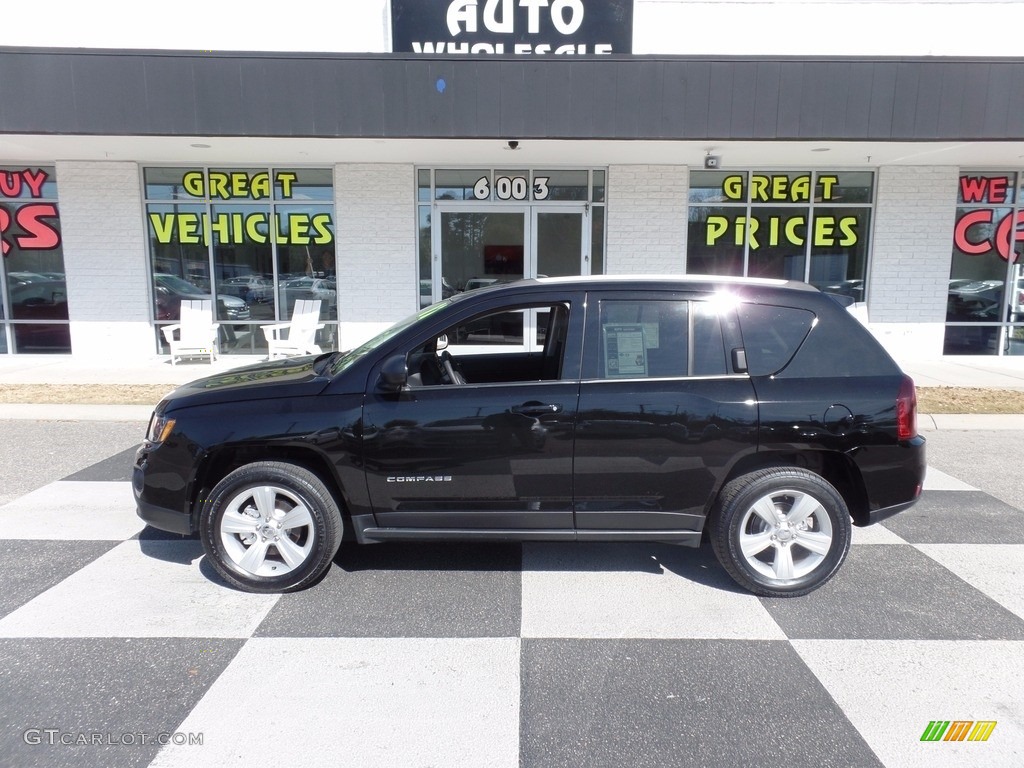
(876, 516)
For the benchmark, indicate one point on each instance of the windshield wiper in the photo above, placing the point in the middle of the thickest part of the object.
(324, 361)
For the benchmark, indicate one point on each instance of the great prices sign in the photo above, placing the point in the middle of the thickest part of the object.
(782, 226)
(25, 221)
(512, 27)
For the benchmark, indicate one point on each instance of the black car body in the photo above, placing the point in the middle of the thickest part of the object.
(757, 413)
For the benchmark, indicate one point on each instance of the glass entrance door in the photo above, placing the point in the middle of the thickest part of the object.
(559, 242)
(485, 245)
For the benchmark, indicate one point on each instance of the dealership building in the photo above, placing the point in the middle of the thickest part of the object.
(404, 151)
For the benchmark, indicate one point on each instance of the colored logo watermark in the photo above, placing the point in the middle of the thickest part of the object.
(958, 730)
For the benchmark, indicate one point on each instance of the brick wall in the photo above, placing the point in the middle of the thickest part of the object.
(909, 274)
(646, 227)
(376, 247)
(105, 259)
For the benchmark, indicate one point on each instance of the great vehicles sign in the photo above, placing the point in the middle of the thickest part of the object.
(512, 27)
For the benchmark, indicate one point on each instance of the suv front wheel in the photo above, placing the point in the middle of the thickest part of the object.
(271, 526)
(780, 532)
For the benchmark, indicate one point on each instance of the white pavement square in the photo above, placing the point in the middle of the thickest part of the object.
(601, 591)
(73, 511)
(141, 589)
(367, 702)
(890, 691)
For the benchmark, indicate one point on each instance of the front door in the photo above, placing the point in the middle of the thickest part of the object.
(489, 447)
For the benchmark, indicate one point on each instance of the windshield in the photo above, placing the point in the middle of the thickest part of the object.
(349, 358)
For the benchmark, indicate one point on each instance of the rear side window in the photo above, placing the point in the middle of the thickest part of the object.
(657, 338)
(772, 335)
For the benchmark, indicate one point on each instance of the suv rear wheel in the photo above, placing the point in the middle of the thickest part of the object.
(780, 532)
(271, 527)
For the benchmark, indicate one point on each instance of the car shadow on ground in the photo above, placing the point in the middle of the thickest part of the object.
(696, 565)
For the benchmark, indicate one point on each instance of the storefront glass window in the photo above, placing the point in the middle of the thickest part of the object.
(458, 184)
(798, 225)
(481, 226)
(255, 239)
(33, 289)
(985, 303)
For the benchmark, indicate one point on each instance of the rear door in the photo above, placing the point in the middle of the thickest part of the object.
(662, 413)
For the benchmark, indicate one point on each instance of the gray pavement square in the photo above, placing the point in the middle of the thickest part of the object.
(406, 590)
(611, 703)
(32, 567)
(959, 517)
(101, 701)
(895, 592)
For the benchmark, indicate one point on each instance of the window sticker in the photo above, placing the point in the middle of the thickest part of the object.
(625, 351)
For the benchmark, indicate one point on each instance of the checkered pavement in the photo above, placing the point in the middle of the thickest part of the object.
(500, 655)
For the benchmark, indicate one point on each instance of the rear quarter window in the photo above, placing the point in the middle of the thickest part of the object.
(771, 335)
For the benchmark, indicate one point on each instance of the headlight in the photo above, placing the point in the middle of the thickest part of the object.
(159, 428)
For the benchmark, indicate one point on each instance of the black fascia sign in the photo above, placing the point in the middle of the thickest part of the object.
(512, 27)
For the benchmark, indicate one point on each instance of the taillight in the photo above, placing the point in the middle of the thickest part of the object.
(906, 410)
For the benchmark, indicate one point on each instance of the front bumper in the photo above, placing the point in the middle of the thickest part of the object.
(156, 515)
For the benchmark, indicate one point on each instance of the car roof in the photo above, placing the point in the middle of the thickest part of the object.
(632, 282)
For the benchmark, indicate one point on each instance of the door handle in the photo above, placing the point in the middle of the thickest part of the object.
(535, 408)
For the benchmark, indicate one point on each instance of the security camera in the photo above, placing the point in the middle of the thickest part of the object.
(513, 144)
(711, 161)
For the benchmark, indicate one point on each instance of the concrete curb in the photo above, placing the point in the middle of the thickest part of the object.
(63, 412)
(980, 421)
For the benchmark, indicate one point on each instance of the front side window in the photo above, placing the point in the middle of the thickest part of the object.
(489, 348)
(255, 240)
(33, 288)
(812, 226)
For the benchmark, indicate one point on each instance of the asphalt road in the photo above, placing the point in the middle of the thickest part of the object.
(989, 460)
(35, 453)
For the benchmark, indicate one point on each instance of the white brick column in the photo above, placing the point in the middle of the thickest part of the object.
(376, 248)
(105, 260)
(909, 274)
(646, 227)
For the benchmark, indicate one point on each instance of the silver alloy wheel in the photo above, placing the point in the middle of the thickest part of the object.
(785, 535)
(267, 531)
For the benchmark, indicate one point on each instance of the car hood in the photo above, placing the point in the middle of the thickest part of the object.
(292, 377)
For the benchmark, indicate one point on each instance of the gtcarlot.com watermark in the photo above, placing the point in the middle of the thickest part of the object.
(56, 736)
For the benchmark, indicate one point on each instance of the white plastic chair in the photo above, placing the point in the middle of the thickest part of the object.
(196, 334)
(299, 336)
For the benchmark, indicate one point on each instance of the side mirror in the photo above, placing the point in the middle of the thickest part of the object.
(394, 374)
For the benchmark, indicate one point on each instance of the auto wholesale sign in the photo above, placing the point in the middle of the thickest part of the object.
(512, 27)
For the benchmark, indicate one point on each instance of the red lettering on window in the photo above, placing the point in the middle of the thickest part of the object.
(5, 222)
(984, 189)
(1004, 236)
(964, 223)
(42, 235)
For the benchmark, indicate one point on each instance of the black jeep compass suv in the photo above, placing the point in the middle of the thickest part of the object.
(759, 414)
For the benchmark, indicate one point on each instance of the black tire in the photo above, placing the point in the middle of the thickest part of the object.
(271, 526)
(798, 552)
